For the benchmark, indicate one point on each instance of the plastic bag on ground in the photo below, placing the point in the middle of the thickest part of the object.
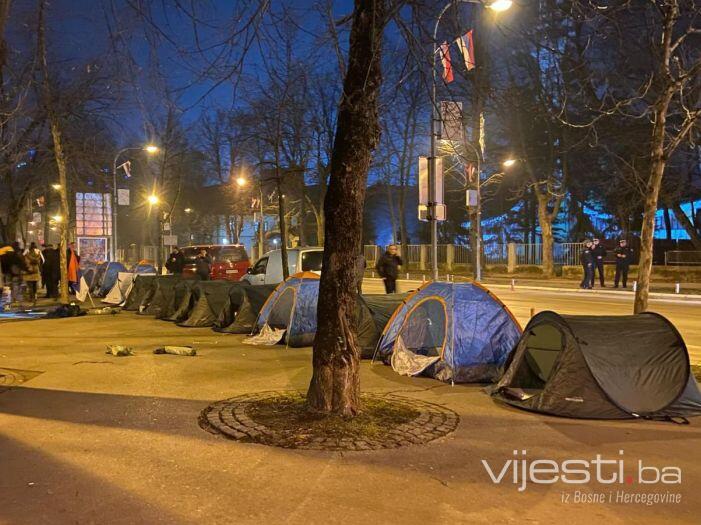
(267, 337)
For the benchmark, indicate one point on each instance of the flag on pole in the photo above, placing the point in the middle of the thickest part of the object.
(466, 45)
(82, 291)
(447, 65)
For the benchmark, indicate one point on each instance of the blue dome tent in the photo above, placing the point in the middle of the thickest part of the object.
(458, 332)
(106, 277)
(292, 306)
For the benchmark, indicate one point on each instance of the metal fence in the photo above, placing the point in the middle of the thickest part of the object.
(682, 258)
(565, 254)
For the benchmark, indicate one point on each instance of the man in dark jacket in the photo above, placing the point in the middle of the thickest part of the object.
(13, 264)
(203, 265)
(624, 258)
(388, 268)
(587, 259)
(598, 253)
(175, 262)
(51, 273)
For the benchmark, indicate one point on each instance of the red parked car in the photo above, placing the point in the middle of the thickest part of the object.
(229, 261)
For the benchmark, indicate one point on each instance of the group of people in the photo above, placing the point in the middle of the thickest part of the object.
(203, 263)
(28, 268)
(592, 258)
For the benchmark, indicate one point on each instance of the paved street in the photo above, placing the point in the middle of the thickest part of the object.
(686, 315)
(91, 438)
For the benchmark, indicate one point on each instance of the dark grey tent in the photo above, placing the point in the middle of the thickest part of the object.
(231, 307)
(603, 367)
(374, 312)
(183, 301)
(211, 297)
(163, 295)
(182, 289)
(141, 293)
(254, 298)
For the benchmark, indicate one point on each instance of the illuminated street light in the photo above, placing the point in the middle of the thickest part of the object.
(508, 163)
(188, 210)
(241, 182)
(500, 5)
(149, 148)
(57, 218)
(153, 199)
(56, 186)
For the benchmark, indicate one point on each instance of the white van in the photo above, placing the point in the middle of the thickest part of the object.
(268, 269)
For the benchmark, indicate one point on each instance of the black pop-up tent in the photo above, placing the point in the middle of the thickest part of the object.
(181, 290)
(231, 307)
(163, 295)
(210, 298)
(254, 298)
(374, 312)
(141, 293)
(183, 301)
(607, 367)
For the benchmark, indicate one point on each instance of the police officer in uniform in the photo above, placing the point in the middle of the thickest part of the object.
(587, 259)
(598, 252)
(624, 258)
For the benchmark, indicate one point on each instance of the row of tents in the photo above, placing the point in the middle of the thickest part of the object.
(575, 366)
(102, 277)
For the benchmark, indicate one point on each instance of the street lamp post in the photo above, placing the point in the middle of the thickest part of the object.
(115, 199)
(495, 5)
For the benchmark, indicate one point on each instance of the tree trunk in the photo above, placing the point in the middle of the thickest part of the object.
(545, 219)
(667, 223)
(335, 383)
(59, 154)
(688, 226)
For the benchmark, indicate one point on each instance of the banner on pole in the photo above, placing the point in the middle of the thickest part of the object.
(471, 198)
(123, 197)
(423, 181)
(451, 121)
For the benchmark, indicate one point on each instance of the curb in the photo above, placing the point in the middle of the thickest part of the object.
(623, 294)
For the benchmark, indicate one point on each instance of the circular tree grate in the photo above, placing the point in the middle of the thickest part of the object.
(280, 419)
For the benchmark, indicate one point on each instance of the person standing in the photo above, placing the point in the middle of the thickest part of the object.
(587, 260)
(32, 275)
(13, 265)
(388, 268)
(176, 262)
(203, 265)
(51, 271)
(598, 252)
(73, 263)
(624, 258)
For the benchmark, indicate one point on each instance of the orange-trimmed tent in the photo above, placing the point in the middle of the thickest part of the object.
(292, 306)
(457, 332)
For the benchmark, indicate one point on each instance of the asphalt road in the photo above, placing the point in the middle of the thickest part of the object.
(685, 315)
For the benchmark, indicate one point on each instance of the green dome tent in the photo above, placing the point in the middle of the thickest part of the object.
(600, 367)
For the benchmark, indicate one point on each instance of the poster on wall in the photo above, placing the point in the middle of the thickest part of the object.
(92, 249)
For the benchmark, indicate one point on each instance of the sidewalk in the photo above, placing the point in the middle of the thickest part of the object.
(89, 438)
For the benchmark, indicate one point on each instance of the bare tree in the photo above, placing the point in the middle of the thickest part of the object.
(335, 383)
